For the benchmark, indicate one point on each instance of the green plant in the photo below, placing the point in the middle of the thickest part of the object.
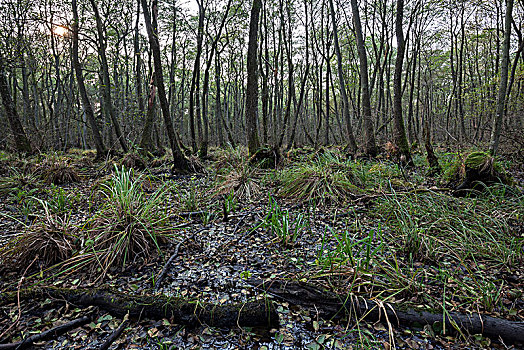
(432, 226)
(189, 198)
(326, 178)
(58, 201)
(230, 204)
(279, 223)
(17, 181)
(131, 224)
(349, 250)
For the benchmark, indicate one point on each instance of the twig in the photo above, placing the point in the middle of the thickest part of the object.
(164, 269)
(116, 334)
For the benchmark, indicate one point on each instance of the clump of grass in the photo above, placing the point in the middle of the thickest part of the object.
(59, 172)
(230, 158)
(235, 175)
(325, 178)
(51, 239)
(18, 180)
(241, 182)
(130, 225)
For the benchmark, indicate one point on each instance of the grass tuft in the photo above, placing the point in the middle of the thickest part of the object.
(50, 239)
(325, 178)
(130, 225)
(59, 172)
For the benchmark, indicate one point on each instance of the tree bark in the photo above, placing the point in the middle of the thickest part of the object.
(205, 90)
(330, 305)
(180, 163)
(399, 133)
(253, 142)
(261, 313)
(501, 99)
(196, 76)
(86, 104)
(22, 143)
(370, 147)
(106, 82)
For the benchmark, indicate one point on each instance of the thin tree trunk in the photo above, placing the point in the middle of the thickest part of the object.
(193, 94)
(88, 109)
(22, 143)
(253, 142)
(370, 147)
(106, 82)
(345, 103)
(501, 99)
(180, 163)
(400, 138)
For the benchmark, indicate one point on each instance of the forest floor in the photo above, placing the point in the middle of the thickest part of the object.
(371, 229)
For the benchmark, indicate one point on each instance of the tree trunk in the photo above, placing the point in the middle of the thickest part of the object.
(196, 76)
(329, 305)
(22, 143)
(253, 142)
(205, 90)
(400, 138)
(180, 163)
(146, 143)
(106, 82)
(138, 72)
(370, 147)
(345, 103)
(86, 104)
(501, 99)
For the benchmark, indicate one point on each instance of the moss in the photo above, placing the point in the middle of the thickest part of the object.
(465, 172)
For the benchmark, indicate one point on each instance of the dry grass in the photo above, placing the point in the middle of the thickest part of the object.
(51, 240)
(58, 172)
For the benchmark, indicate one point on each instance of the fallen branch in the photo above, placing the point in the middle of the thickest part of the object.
(50, 334)
(162, 273)
(331, 305)
(261, 313)
(115, 335)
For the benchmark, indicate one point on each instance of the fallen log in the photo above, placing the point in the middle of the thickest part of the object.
(330, 305)
(260, 313)
(50, 334)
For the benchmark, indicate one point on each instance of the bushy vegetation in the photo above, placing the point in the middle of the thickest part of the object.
(326, 178)
(236, 176)
(50, 240)
(130, 224)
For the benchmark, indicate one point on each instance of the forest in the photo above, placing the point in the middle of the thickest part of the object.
(285, 174)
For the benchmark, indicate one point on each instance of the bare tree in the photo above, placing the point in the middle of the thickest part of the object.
(253, 142)
(88, 109)
(501, 100)
(180, 163)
